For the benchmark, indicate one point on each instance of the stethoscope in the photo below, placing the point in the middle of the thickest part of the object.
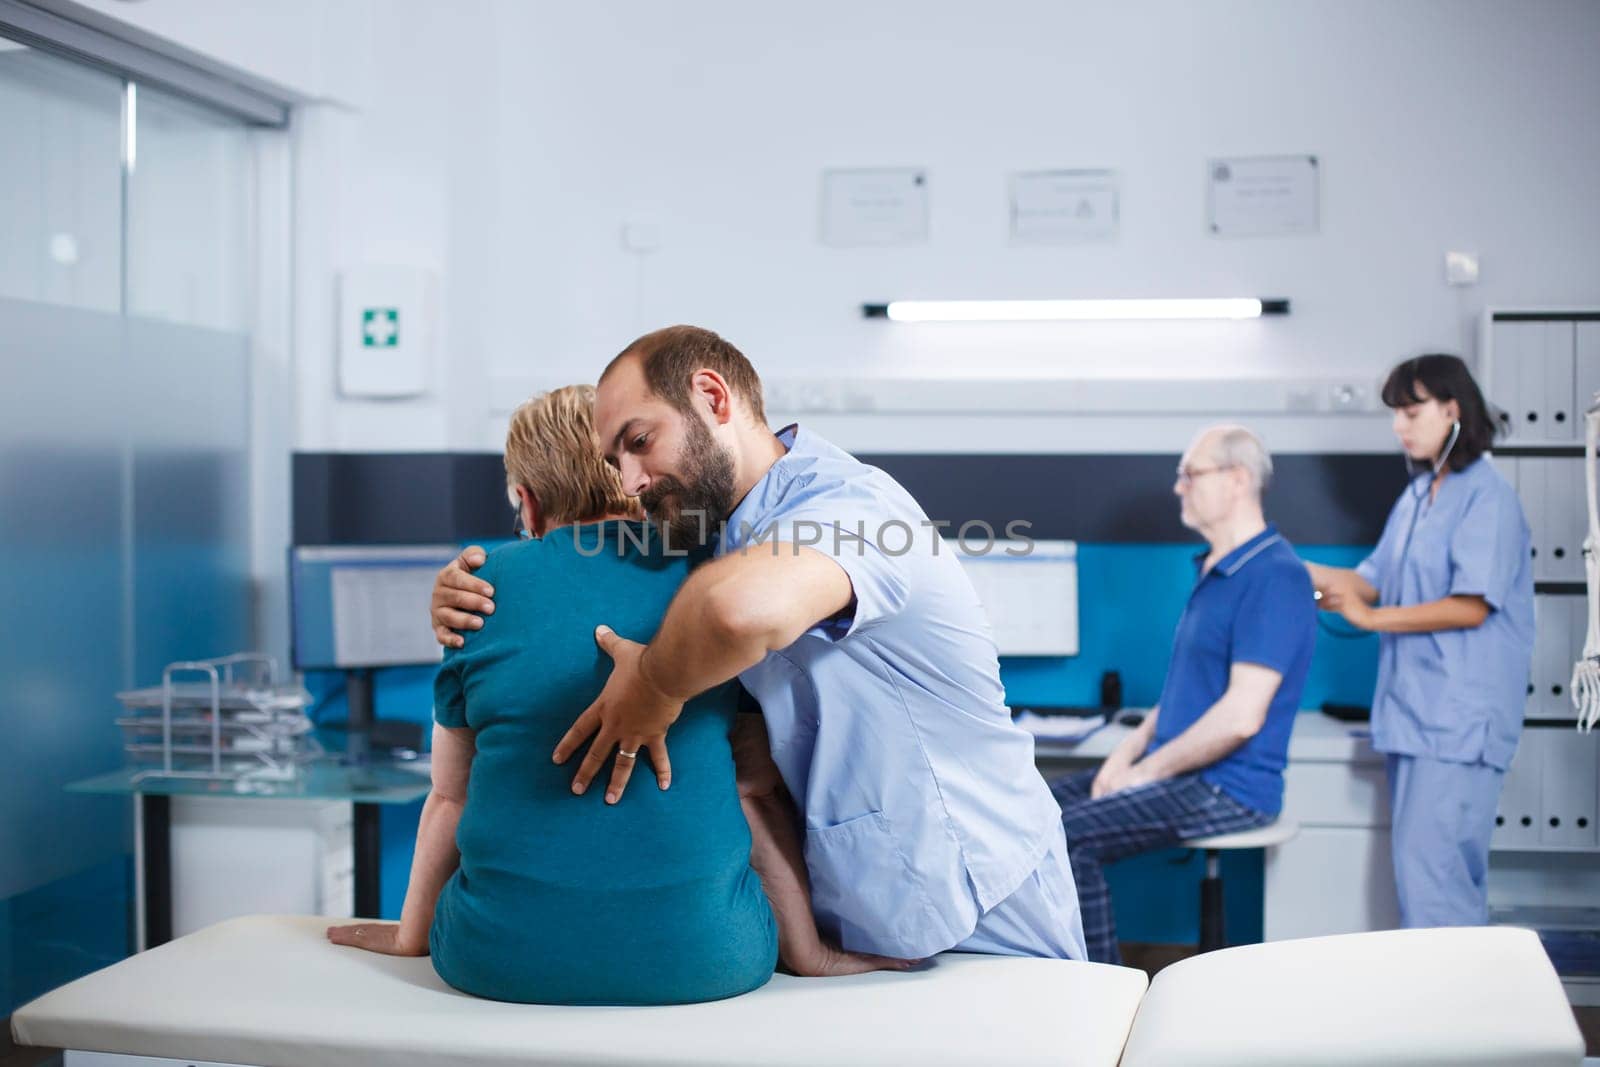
(1418, 488)
(1413, 469)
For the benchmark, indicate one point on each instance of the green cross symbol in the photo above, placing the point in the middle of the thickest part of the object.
(380, 327)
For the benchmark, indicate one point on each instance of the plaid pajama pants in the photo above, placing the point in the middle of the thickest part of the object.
(1124, 824)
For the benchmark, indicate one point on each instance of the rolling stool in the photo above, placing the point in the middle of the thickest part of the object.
(1212, 933)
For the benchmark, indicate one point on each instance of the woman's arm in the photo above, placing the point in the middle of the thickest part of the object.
(435, 858)
(1448, 613)
(1338, 584)
(778, 858)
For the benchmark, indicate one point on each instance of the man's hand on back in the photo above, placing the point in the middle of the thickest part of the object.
(459, 600)
(631, 715)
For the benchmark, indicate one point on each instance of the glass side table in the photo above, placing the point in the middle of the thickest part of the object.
(367, 786)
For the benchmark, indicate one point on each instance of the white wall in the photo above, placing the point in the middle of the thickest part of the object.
(505, 143)
(1440, 125)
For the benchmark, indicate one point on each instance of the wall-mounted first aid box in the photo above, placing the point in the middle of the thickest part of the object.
(385, 331)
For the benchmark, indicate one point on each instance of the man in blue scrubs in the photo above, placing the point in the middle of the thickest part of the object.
(835, 603)
(1209, 758)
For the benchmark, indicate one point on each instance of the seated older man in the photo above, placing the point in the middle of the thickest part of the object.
(1209, 758)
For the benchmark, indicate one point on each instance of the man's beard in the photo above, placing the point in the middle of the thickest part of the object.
(702, 500)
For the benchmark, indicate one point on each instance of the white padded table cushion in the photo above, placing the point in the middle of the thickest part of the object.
(1405, 997)
(270, 990)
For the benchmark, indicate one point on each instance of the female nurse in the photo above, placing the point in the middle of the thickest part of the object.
(1449, 591)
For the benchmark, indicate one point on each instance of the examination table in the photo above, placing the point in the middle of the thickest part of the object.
(270, 991)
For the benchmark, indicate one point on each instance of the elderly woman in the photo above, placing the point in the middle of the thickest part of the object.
(520, 890)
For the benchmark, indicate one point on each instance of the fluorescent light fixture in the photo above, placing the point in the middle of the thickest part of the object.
(130, 125)
(1073, 310)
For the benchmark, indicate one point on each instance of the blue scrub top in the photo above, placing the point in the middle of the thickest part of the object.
(1455, 695)
(1254, 606)
(922, 804)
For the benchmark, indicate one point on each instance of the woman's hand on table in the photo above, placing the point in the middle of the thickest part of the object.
(825, 960)
(382, 938)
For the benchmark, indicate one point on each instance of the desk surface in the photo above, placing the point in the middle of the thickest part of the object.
(375, 783)
(1317, 738)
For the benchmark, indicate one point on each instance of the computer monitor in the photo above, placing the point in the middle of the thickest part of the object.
(356, 608)
(362, 606)
(1029, 590)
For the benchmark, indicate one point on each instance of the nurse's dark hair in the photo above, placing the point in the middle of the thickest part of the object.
(1445, 377)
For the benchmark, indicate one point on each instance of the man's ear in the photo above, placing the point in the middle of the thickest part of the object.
(709, 388)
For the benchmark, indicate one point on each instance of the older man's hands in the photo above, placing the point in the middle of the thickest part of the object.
(1118, 775)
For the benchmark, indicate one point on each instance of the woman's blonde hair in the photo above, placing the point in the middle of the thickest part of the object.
(551, 450)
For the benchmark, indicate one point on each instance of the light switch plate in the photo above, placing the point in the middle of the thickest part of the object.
(1461, 268)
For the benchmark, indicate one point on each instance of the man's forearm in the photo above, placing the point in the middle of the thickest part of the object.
(732, 612)
(1213, 737)
(1130, 748)
(697, 647)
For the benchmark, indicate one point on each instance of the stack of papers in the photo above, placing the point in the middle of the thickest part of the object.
(1066, 728)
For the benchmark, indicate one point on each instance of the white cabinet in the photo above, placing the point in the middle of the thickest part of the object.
(1337, 876)
(1345, 794)
(245, 856)
(1330, 880)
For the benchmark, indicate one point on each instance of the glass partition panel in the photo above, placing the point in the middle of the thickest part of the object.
(189, 189)
(123, 527)
(125, 274)
(60, 182)
(64, 541)
(189, 431)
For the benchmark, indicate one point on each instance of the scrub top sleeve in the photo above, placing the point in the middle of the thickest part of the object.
(1375, 567)
(1484, 548)
(1275, 620)
(873, 559)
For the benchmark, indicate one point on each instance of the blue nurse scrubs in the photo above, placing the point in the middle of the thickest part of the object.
(1448, 707)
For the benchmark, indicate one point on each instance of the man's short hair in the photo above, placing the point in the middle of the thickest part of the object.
(669, 358)
(1238, 446)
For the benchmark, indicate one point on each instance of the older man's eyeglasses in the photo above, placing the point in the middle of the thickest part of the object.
(1187, 475)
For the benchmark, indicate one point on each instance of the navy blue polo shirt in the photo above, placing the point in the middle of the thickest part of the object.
(1254, 606)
